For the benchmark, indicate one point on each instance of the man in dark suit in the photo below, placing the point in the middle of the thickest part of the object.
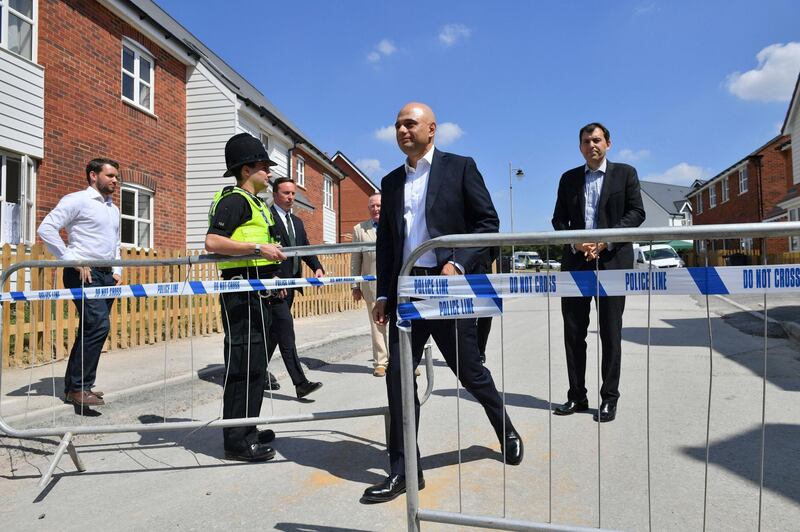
(597, 195)
(281, 334)
(434, 193)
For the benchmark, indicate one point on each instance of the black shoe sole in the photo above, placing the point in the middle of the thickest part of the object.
(365, 499)
(558, 412)
(605, 419)
(249, 458)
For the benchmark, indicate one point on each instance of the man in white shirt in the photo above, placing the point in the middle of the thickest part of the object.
(91, 221)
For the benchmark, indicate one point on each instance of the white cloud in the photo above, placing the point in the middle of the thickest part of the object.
(630, 156)
(371, 167)
(774, 78)
(383, 49)
(452, 33)
(386, 134)
(644, 9)
(680, 174)
(447, 133)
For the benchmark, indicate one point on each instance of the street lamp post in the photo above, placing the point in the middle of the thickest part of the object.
(519, 174)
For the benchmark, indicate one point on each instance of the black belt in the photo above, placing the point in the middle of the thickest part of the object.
(103, 269)
(419, 271)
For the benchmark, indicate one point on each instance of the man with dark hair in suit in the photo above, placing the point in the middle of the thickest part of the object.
(293, 234)
(597, 195)
(434, 193)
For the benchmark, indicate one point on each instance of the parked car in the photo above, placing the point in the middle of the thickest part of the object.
(551, 264)
(660, 255)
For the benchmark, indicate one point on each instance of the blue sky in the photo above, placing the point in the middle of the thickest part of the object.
(686, 87)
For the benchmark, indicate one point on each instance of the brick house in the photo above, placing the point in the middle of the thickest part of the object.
(747, 191)
(355, 195)
(319, 195)
(118, 94)
(146, 92)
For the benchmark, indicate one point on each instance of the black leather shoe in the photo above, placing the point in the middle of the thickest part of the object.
(607, 412)
(512, 448)
(255, 452)
(570, 407)
(307, 388)
(389, 489)
(265, 436)
(272, 383)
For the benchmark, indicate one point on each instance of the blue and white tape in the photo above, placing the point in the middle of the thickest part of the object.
(671, 281)
(186, 288)
(447, 309)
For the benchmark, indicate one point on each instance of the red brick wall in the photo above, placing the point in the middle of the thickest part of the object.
(775, 176)
(313, 190)
(355, 195)
(85, 117)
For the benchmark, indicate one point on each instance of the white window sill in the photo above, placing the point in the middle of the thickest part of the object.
(138, 107)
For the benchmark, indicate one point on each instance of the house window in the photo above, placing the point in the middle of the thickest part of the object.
(743, 180)
(137, 76)
(699, 200)
(265, 141)
(327, 198)
(794, 241)
(300, 173)
(137, 216)
(16, 199)
(18, 26)
(725, 189)
(712, 197)
(746, 244)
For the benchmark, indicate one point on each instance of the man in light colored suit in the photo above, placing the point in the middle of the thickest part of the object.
(364, 264)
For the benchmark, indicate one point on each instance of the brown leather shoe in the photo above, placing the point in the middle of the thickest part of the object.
(379, 371)
(98, 393)
(83, 398)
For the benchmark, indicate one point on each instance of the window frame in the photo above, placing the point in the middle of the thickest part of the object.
(726, 190)
(700, 202)
(5, 11)
(300, 175)
(712, 196)
(794, 241)
(139, 52)
(27, 195)
(743, 180)
(137, 190)
(327, 191)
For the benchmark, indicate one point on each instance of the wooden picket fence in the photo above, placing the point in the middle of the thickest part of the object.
(43, 331)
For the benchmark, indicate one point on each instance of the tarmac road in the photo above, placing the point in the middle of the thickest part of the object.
(171, 480)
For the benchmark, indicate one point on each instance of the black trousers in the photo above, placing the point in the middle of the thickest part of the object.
(281, 334)
(575, 311)
(475, 377)
(484, 328)
(246, 318)
(92, 332)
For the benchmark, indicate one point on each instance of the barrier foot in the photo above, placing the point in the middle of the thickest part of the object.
(66, 444)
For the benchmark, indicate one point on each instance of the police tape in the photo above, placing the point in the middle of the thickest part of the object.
(449, 308)
(672, 281)
(185, 288)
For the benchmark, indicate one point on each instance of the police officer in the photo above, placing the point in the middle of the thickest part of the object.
(240, 223)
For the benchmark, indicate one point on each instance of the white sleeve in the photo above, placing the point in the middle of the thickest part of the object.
(55, 221)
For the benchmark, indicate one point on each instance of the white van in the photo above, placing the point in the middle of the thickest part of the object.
(661, 256)
(527, 259)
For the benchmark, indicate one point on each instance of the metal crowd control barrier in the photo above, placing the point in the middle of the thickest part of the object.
(68, 433)
(416, 514)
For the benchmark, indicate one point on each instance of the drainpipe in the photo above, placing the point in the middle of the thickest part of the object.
(757, 160)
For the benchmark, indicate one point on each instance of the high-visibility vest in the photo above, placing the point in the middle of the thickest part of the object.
(254, 230)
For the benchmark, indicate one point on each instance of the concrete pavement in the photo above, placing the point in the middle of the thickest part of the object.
(178, 481)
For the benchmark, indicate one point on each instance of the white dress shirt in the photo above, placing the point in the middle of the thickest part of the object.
(282, 217)
(416, 225)
(92, 225)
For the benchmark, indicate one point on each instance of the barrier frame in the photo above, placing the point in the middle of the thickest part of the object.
(414, 513)
(68, 433)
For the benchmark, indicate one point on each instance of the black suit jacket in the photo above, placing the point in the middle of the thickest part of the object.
(456, 202)
(301, 239)
(620, 205)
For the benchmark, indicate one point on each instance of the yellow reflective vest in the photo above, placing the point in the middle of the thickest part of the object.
(254, 230)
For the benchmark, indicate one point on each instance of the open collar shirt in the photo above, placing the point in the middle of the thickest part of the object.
(416, 225)
(592, 187)
(91, 222)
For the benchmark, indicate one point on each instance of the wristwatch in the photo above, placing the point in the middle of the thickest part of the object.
(258, 249)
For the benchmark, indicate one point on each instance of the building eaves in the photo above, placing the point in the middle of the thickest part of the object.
(238, 84)
(666, 195)
(731, 168)
(792, 106)
(358, 170)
